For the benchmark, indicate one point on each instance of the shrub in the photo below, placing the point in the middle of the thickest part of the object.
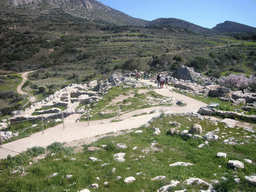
(225, 185)
(35, 151)
(59, 149)
(178, 58)
(199, 63)
(21, 159)
(132, 64)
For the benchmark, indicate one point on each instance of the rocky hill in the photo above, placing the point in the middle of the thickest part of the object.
(89, 9)
(229, 26)
(176, 23)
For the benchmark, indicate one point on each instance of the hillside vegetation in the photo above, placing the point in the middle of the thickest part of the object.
(65, 48)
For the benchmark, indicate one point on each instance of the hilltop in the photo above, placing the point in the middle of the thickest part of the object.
(178, 24)
(90, 10)
(229, 27)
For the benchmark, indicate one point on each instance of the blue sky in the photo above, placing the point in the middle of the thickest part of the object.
(206, 13)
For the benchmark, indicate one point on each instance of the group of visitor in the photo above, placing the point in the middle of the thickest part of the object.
(161, 80)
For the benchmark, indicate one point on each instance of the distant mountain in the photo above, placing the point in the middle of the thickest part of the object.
(230, 27)
(91, 10)
(176, 23)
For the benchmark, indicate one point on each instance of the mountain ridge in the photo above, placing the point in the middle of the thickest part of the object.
(91, 10)
(96, 11)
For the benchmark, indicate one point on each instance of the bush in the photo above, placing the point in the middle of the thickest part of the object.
(59, 149)
(35, 151)
(132, 64)
(225, 185)
(21, 159)
(199, 63)
(178, 58)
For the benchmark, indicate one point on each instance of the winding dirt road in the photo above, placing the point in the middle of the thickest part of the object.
(24, 76)
(75, 131)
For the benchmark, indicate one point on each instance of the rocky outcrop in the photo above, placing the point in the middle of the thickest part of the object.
(249, 97)
(231, 114)
(188, 73)
(220, 92)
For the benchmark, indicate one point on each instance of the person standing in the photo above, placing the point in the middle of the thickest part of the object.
(166, 80)
(162, 82)
(158, 80)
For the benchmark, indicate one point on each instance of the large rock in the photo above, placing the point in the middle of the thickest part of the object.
(158, 178)
(119, 157)
(196, 129)
(220, 92)
(84, 190)
(156, 131)
(121, 146)
(129, 180)
(166, 187)
(251, 179)
(206, 111)
(236, 164)
(210, 136)
(231, 123)
(94, 186)
(221, 154)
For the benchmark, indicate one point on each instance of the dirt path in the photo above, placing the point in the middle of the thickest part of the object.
(80, 131)
(24, 76)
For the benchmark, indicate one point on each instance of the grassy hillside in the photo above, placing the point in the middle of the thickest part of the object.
(146, 157)
(70, 49)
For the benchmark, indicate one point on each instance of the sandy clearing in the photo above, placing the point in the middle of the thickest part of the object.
(78, 131)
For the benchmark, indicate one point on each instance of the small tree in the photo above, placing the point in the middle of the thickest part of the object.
(238, 81)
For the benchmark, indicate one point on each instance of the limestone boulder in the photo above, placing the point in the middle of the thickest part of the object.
(119, 157)
(196, 129)
(129, 180)
(236, 164)
(121, 146)
(210, 136)
(85, 190)
(166, 187)
(206, 111)
(251, 179)
(94, 186)
(221, 154)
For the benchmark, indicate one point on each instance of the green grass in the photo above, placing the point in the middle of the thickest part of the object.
(145, 160)
(25, 128)
(138, 101)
